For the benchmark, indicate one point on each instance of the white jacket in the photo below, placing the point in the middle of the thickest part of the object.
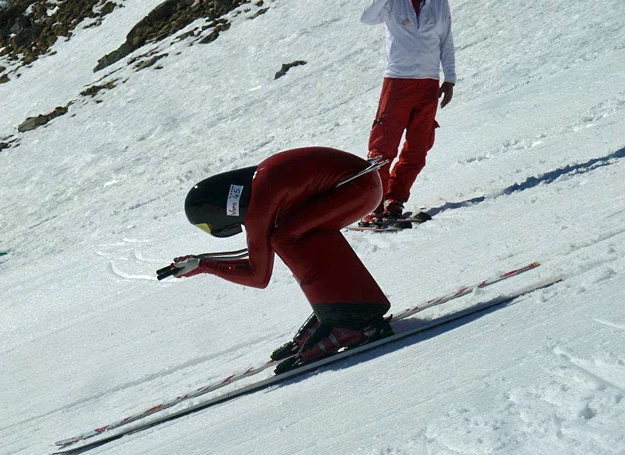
(415, 48)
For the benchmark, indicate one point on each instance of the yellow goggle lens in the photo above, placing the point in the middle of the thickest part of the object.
(205, 227)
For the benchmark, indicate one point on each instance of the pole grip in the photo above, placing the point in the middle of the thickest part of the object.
(166, 272)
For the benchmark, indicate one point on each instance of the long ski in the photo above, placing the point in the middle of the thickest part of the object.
(461, 291)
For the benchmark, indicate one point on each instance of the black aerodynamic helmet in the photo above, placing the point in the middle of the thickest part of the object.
(218, 205)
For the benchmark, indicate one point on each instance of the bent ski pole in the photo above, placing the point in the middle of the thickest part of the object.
(376, 163)
(172, 269)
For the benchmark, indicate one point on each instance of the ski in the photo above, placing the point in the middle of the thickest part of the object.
(418, 218)
(375, 228)
(262, 384)
(404, 222)
(461, 291)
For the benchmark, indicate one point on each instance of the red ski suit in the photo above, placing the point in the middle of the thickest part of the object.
(296, 211)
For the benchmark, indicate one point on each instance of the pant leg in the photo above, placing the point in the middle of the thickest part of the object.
(326, 267)
(419, 140)
(391, 120)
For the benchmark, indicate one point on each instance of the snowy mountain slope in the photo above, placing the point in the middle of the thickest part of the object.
(528, 165)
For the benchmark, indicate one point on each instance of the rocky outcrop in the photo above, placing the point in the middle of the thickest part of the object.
(29, 28)
(168, 18)
(95, 89)
(8, 142)
(35, 122)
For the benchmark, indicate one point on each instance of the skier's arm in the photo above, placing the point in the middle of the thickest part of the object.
(246, 272)
(376, 13)
(448, 58)
(254, 272)
(241, 271)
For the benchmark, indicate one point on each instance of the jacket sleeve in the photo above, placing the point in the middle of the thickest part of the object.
(377, 12)
(255, 271)
(448, 57)
(241, 271)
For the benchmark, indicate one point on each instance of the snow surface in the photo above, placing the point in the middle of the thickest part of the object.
(528, 165)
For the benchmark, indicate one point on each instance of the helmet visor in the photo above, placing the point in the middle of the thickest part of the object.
(205, 227)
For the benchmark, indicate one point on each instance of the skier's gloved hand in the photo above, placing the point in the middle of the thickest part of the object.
(187, 265)
(183, 258)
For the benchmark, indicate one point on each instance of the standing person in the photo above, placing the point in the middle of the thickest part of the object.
(292, 204)
(418, 42)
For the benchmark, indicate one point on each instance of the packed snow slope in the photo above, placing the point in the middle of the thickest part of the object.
(529, 164)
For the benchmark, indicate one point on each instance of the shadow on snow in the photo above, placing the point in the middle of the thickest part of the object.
(532, 182)
(401, 326)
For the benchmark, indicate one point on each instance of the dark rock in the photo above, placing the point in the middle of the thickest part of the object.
(147, 63)
(168, 18)
(113, 57)
(108, 8)
(185, 35)
(95, 89)
(8, 142)
(26, 30)
(35, 122)
(214, 34)
(287, 66)
(260, 12)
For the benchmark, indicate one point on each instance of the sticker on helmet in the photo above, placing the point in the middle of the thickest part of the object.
(234, 199)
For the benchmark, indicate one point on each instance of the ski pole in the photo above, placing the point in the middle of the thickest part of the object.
(171, 269)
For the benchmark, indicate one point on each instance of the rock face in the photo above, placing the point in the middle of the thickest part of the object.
(28, 28)
(35, 122)
(169, 17)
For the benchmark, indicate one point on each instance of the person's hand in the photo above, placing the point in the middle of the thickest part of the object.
(447, 92)
(186, 265)
(183, 259)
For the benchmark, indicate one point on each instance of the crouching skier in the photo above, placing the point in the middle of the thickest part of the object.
(291, 205)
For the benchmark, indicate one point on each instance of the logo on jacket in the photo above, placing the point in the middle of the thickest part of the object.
(234, 200)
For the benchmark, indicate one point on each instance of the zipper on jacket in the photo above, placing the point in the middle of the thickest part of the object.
(418, 14)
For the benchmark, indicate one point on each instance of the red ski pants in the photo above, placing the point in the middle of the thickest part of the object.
(405, 105)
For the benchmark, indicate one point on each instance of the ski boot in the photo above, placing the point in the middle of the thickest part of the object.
(328, 340)
(291, 348)
(393, 215)
(374, 220)
(393, 210)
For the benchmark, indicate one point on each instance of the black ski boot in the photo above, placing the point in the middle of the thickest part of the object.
(291, 348)
(327, 341)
